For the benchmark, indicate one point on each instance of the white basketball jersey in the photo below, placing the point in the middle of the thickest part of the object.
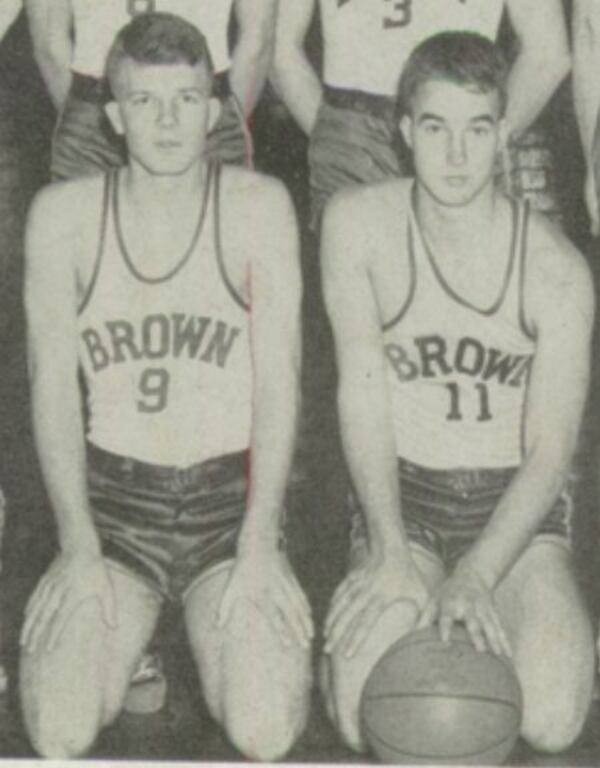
(457, 373)
(367, 42)
(98, 21)
(166, 360)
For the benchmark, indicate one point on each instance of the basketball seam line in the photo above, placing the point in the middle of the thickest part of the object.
(437, 694)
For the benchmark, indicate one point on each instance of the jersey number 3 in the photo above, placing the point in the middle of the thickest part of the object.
(400, 13)
(154, 388)
(136, 7)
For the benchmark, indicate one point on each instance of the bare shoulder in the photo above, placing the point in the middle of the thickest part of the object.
(62, 209)
(557, 274)
(249, 193)
(363, 223)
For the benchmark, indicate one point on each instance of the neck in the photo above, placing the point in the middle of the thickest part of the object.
(166, 192)
(457, 222)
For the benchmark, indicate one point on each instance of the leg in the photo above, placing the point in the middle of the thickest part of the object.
(255, 687)
(343, 679)
(70, 693)
(552, 642)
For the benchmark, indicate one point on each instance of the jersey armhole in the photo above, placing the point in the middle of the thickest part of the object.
(386, 326)
(522, 254)
(219, 244)
(108, 183)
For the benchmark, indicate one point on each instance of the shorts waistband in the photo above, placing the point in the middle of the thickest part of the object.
(209, 474)
(459, 479)
(97, 90)
(360, 101)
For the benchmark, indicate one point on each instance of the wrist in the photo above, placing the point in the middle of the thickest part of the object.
(471, 565)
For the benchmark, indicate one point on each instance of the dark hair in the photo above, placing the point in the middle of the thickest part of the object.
(158, 38)
(463, 58)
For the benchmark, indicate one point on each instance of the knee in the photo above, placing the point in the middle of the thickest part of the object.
(262, 735)
(553, 729)
(59, 739)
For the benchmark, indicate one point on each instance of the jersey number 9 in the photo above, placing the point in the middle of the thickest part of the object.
(154, 387)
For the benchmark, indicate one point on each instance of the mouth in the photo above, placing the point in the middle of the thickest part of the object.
(167, 145)
(456, 180)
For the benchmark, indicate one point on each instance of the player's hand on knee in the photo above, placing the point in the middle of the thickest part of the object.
(364, 595)
(70, 581)
(465, 598)
(264, 578)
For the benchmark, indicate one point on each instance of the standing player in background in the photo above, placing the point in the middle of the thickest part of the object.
(459, 407)
(586, 91)
(72, 37)
(163, 283)
(350, 116)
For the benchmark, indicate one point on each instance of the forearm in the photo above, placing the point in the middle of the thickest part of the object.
(275, 414)
(586, 90)
(57, 77)
(532, 81)
(249, 69)
(58, 431)
(297, 84)
(371, 455)
(521, 510)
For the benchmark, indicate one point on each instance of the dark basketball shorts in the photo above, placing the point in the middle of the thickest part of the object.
(84, 142)
(166, 526)
(355, 140)
(444, 511)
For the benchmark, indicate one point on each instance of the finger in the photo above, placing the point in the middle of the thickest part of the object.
(299, 603)
(292, 617)
(58, 622)
(476, 633)
(38, 603)
(278, 623)
(108, 605)
(225, 606)
(362, 628)
(446, 622)
(501, 634)
(340, 603)
(428, 614)
(44, 616)
(344, 620)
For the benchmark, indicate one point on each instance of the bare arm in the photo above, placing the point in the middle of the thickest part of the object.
(50, 22)
(9, 10)
(543, 60)
(262, 573)
(78, 573)
(367, 436)
(554, 406)
(254, 49)
(586, 92)
(292, 73)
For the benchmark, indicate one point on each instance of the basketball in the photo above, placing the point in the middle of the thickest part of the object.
(430, 702)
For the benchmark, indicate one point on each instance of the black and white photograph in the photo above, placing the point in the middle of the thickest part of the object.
(300, 382)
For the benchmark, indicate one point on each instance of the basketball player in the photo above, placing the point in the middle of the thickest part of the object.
(72, 37)
(586, 64)
(163, 283)
(460, 397)
(350, 115)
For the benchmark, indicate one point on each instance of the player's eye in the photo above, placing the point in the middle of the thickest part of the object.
(480, 130)
(140, 99)
(432, 128)
(190, 98)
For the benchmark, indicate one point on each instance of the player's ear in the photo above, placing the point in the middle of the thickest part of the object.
(214, 111)
(406, 129)
(114, 115)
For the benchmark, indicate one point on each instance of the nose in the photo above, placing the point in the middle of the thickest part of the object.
(456, 150)
(167, 114)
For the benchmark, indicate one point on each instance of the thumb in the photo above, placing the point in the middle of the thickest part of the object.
(109, 609)
(428, 614)
(224, 610)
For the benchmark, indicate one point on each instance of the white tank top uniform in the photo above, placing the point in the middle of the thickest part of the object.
(166, 358)
(98, 21)
(367, 42)
(458, 373)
